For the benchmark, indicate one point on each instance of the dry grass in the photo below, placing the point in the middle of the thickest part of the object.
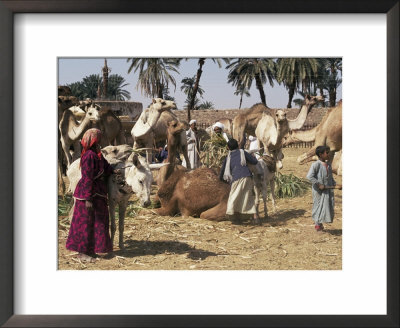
(285, 241)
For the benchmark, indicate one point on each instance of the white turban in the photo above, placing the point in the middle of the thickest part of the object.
(251, 138)
(218, 125)
(192, 121)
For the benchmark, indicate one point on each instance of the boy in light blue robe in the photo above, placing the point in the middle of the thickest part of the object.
(320, 175)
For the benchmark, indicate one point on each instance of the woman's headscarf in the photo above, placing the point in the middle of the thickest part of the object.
(90, 139)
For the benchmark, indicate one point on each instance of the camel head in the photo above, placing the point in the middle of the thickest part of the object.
(92, 113)
(78, 112)
(175, 127)
(310, 101)
(161, 105)
(139, 177)
(280, 116)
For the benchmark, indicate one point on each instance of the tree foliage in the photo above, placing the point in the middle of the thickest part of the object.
(154, 74)
(243, 71)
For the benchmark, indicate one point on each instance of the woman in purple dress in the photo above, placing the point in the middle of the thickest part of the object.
(89, 231)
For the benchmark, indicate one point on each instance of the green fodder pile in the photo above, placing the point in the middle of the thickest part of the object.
(214, 152)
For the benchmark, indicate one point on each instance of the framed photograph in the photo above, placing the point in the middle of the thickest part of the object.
(363, 291)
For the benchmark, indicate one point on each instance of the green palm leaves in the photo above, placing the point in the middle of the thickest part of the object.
(244, 71)
(154, 74)
(290, 185)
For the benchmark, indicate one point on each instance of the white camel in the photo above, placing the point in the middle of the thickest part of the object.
(152, 127)
(135, 177)
(150, 116)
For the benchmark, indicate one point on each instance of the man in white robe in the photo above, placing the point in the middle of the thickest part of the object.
(193, 152)
(218, 128)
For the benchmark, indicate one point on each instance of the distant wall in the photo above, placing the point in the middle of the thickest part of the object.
(123, 108)
(210, 116)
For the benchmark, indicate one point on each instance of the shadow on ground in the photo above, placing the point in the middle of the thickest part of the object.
(281, 217)
(134, 248)
(334, 232)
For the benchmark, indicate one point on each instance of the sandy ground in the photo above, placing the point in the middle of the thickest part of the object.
(285, 241)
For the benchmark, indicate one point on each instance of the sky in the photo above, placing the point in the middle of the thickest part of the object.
(213, 80)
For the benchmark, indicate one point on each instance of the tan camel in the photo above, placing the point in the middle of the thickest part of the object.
(270, 131)
(71, 131)
(337, 163)
(326, 133)
(157, 132)
(174, 131)
(247, 121)
(111, 128)
(197, 192)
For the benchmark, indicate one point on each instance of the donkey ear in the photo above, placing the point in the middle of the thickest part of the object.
(134, 159)
(154, 101)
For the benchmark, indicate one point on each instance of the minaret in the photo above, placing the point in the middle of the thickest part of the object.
(105, 70)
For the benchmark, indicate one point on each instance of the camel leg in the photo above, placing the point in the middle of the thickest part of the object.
(61, 184)
(306, 157)
(149, 154)
(111, 210)
(65, 148)
(77, 151)
(122, 210)
(216, 213)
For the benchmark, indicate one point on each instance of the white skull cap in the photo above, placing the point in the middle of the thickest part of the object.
(218, 125)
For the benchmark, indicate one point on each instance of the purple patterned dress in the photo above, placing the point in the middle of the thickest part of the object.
(89, 231)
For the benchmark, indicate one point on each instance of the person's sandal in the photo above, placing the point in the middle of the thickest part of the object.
(318, 228)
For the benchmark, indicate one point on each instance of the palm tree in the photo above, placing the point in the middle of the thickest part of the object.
(77, 90)
(90, 85)
(241, 90)
(166, 94)
(206, 105)
(244, 70)
(198, 75)
(154, 74)
(333, 65)
(116, 83)
(188, 89)
(295, 73)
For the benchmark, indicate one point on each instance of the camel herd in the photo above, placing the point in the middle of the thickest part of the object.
(181, 190)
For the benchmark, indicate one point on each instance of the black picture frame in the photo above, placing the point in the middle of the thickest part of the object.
(7, 11)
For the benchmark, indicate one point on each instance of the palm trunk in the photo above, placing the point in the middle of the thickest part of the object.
(241, 98)
(332, 97)
(321, 93)
(196, 84)
(159, 90)
(291, 94)
(260, 89)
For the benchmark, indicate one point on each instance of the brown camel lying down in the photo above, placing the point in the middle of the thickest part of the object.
(194, 193)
